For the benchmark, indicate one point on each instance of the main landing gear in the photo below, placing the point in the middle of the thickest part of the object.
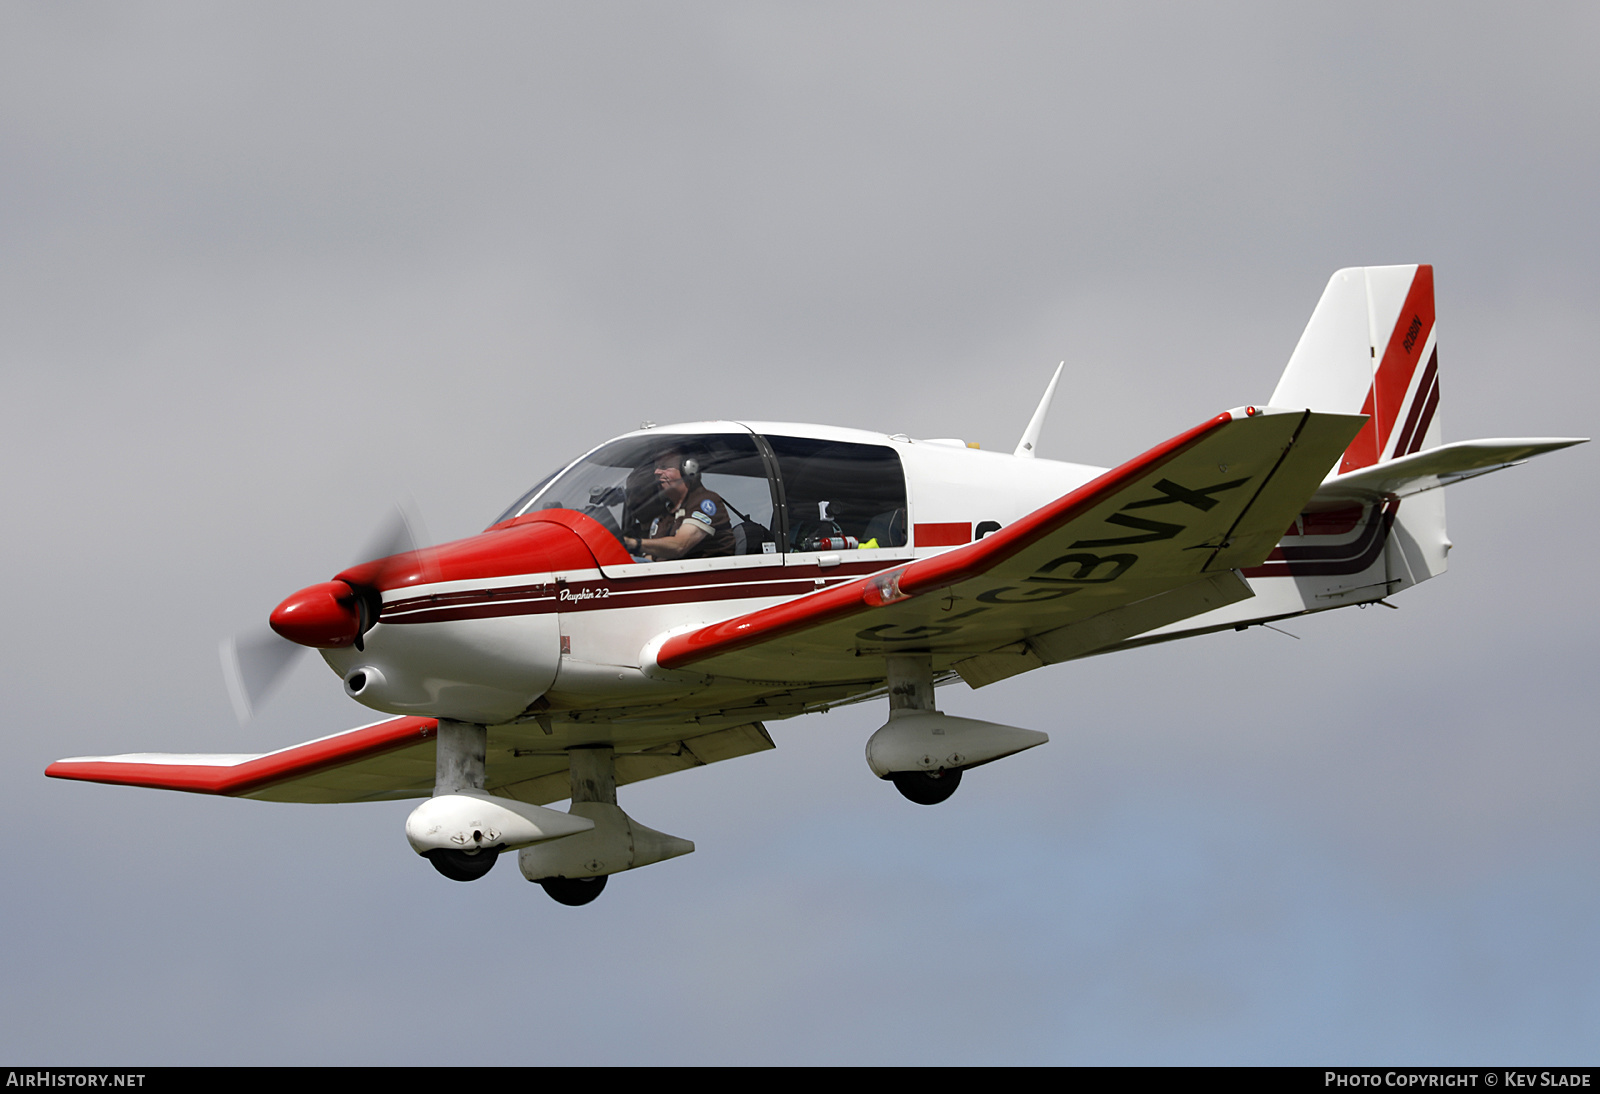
(462, 830)
(573, 891)
(926, 787)
(573, 870)
(924, 752)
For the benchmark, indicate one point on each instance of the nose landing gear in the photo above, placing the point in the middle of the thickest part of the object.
(462, 829)
(460, 866)
(926, 787)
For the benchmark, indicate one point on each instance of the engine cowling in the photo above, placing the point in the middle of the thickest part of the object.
(467, 630)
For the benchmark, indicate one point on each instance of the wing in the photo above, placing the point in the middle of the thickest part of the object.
(1145, 544)
(388, 759)
(395, 759)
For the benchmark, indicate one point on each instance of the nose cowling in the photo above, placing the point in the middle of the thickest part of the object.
(336, 614)
(325, 616)
(426, 657)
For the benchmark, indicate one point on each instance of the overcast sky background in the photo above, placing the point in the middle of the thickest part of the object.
(265, 268)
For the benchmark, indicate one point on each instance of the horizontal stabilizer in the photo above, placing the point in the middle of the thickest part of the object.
(1437, 467)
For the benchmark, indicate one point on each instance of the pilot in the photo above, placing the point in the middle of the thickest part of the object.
(695, 523)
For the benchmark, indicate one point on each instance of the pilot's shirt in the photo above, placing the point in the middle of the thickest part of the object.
(705, 511)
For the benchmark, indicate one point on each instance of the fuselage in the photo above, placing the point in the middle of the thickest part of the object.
(545, 615)
(547, 620)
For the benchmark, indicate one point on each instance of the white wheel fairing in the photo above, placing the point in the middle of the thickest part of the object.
(472, 821)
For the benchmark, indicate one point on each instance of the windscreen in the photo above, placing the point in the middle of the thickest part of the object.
(616, 485)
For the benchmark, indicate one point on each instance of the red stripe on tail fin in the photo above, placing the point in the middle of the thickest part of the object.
(1386, 398)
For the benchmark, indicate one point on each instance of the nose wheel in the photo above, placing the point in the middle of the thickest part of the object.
(460, 866)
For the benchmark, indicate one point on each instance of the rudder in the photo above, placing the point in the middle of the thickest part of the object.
(1371, 348)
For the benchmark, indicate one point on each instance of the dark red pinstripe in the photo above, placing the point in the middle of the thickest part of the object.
(1430, 375)
(1427, 417)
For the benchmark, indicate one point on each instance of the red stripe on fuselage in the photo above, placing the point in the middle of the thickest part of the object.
(600, 593)
(1332, 559)
(1329, 522)
(942, 535)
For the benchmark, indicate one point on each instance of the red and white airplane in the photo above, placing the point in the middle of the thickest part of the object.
(580, 643)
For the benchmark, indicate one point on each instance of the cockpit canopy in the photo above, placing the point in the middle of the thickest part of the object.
(784, 494)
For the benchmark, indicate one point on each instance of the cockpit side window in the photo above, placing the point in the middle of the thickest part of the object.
(618, 487)
(841, 495)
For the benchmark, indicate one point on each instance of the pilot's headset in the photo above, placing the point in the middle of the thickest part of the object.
(689, 468)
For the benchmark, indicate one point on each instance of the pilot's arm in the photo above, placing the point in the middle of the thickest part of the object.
(689, 533)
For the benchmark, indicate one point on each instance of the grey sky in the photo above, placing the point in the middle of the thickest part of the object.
(268, 267)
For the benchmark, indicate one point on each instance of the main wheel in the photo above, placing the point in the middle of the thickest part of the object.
(926, 787)
(460, 866)
(573, 891)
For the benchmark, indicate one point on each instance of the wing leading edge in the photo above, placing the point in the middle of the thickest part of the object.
(395, 759)
(1183, 515)
(382, 755)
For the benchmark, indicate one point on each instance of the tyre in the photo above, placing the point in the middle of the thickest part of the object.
(926, 788)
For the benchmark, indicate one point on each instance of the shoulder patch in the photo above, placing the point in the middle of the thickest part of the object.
(708, 507)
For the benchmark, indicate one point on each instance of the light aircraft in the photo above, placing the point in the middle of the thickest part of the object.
(580, 644)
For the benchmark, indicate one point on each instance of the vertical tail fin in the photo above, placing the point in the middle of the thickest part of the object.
(1370, 348)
